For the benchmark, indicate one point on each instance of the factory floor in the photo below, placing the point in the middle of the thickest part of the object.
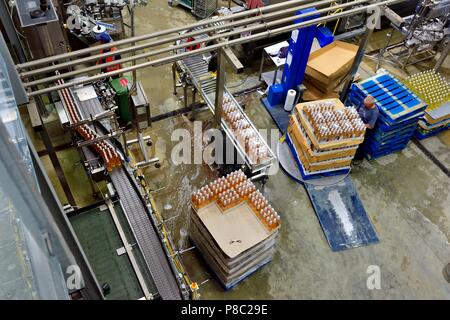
(405, 194)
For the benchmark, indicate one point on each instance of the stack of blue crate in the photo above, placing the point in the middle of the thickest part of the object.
(400, 110)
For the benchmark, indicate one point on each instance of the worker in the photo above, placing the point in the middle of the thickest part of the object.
(368, 113)
(104, 38)
(211, 59)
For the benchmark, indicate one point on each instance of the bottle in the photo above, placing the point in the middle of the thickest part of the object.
(194, 200)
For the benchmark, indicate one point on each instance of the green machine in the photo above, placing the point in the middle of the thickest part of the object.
(184, 3)
(120, 87)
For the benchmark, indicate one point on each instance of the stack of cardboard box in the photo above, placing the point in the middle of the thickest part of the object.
(326, 70)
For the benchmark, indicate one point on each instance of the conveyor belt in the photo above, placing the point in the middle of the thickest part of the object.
(137, 214)
(146, 236)
(90, 107)
(107, 151)
(93, 107)
(87, 108)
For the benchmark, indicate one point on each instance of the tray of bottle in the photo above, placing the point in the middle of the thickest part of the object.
(313, 155)
(254, 165)
(338, 142)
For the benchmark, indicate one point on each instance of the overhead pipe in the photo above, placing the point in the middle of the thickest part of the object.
(181, 46)
(262, 35)
(161, 33)
(259, 18)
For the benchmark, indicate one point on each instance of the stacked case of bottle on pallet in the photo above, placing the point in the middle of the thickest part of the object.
(234, 227)
(434, 90)
(324, 136)
(400, 109)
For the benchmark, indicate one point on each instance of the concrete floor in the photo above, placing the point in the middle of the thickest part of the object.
(406, 196)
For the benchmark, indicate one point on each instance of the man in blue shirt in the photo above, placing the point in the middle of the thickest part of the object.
(368, 112)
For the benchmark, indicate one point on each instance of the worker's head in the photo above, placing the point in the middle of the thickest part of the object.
(103, 37)
(369, 102)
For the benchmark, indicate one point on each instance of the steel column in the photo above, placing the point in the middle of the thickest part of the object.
(174, 78)
(444, 54)
(56, 165)
(220, 84)
(358, 59)
(193, 111)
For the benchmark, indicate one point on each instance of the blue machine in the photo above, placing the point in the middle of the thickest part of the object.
(324, 36)
(296, 60)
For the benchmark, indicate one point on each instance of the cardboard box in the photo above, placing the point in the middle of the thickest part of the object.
(325, 88)
(329, 63)
(312, 93)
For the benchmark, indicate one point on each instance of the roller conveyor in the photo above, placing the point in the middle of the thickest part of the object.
(90, 107)
(146, 236)
(197, 69)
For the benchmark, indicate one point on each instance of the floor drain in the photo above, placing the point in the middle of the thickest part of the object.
(446, 272)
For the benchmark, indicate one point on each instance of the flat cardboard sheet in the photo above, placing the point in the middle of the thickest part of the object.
(312, 93)
(235, 231)
(441, 113)
(331, 62)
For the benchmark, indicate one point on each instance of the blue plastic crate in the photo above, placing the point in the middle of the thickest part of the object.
(379, 154)
(375, 146)
(394, 99)
(400, 109)
(423, 135)
(379, 135)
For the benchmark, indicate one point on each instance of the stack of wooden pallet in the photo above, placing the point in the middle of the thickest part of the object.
(234, 227)
(400, 109)
(434, 90)
(324, 136)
